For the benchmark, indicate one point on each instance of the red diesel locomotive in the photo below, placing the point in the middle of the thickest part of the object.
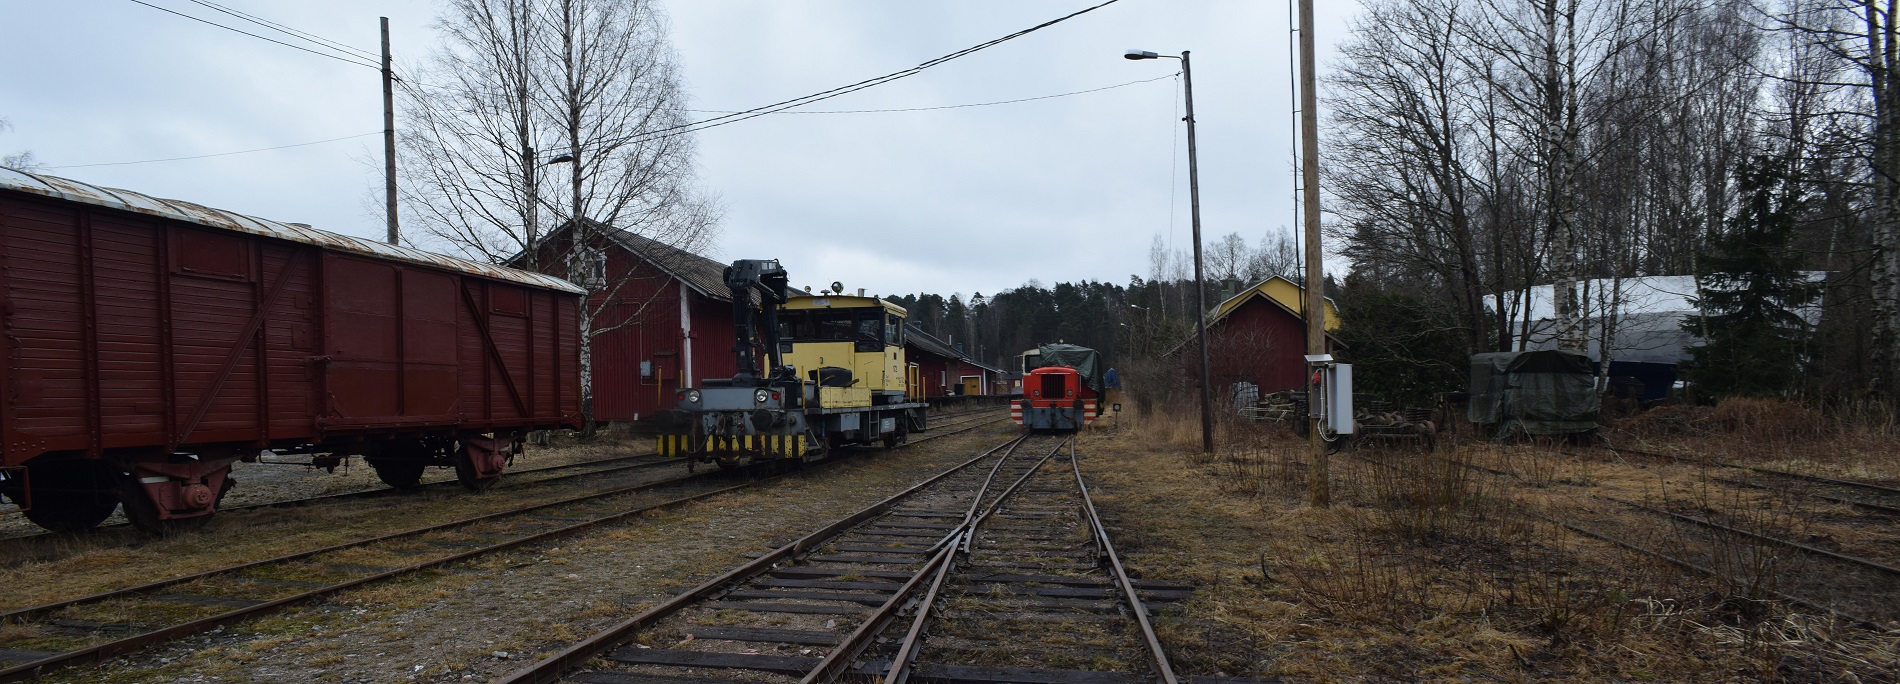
(1062, 386)
(148, 344)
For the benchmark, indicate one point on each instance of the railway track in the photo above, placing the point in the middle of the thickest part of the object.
(1043, 597)
(91, 628)
(1866, 496)
(513, 480)
(999, 527)
(1852, 588)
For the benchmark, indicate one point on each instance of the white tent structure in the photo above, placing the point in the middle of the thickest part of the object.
(1642, 317)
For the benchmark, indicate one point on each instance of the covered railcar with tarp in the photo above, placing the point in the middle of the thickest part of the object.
(1547, 392)
(1062, 388)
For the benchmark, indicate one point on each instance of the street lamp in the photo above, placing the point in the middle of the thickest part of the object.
(1194, 204)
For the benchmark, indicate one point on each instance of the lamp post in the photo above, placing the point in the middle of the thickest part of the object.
(1194, 205)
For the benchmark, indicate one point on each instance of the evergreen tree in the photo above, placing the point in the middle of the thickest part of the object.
(1754, 338)
(1404, 347)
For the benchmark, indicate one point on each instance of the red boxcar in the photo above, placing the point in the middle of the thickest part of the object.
(148, 344)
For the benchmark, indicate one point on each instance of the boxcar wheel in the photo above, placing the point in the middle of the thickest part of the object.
(143, 514)
(465, 474)
(400, 474)
(400, 463)
(68, 497)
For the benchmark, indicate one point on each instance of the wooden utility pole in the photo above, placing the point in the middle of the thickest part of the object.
(1200, 283)
(389, 138)
(1320, 492)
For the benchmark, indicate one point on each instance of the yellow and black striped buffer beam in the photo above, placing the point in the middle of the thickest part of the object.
(774, 446)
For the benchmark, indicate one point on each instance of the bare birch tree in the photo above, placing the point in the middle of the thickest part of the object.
(543, 128)
(1276, 255)
(22, 160)
(1227, 258)
(1863, 36)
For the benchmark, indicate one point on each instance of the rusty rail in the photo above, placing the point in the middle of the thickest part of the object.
(106, 650)
(1777, 541)
(945, 561)
(1161, 665)
(552, 668)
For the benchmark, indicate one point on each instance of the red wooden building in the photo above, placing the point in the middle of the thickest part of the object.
(943, 369)
(667, 313)
(1259, 336)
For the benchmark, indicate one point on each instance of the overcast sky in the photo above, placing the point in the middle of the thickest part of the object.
(974, 199)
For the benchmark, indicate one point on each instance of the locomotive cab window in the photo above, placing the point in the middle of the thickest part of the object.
(794, 326)
(893, 331)
(870, 336)
(831, 326)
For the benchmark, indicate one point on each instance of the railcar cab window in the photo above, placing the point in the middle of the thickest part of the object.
(893, 331)
(794, 326)
(864, 327)
(870, 331)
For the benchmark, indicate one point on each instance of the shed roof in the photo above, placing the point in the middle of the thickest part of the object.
(198, 214)
(1647, 321)
(1276, 291)
(703, 275)
(914, 334)
(984, 366)
(1284, 293)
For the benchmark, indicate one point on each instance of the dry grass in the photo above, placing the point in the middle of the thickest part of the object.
(1857, 440)
(1425, 569)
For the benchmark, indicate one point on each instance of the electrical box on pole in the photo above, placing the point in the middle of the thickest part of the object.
(1329, 394)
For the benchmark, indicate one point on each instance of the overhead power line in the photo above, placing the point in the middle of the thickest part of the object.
(253, 35)
(822, 95)
(883, 111)
(682, 129)
(293, 32)
(907, 109)
(955, 106)
(220, 154)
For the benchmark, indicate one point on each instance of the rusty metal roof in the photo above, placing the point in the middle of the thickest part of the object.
(704, 275)
(197, 214)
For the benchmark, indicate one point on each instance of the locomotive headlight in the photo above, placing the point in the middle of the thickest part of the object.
(760, 396)
(692, 396)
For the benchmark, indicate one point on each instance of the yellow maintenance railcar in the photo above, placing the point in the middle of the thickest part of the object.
(834, 375)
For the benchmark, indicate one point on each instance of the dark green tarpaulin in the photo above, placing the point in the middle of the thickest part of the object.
(1546, 392)
(1084, 360)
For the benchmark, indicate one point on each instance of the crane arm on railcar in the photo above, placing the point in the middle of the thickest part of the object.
(769, 279)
